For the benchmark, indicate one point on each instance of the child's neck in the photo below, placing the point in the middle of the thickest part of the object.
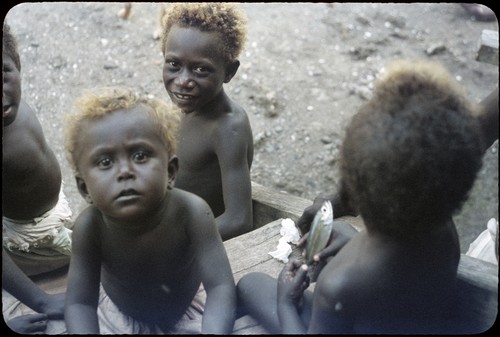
(221, 103)
(139, 226)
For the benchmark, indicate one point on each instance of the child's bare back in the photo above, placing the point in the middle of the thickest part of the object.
(375, 285)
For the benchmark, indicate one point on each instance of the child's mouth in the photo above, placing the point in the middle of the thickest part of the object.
(6, 110)
(183, 97)
(127, 193)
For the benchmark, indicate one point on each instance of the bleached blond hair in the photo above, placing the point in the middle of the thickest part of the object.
(94, 104)
(223, 18)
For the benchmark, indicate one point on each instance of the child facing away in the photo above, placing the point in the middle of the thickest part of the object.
(486, 113)
(409, 158)
(142, 250)
(36, 218)
(201, 43)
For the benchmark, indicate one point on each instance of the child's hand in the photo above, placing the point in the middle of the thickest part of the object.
(53, 306)
(305, 220)
(292, 282)
(341, 234)
(27, 324)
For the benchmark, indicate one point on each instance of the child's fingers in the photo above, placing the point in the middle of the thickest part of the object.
(328, 251)
(302, 240)
(301, 274)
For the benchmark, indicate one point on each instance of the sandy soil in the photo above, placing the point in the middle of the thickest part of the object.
(304, 72)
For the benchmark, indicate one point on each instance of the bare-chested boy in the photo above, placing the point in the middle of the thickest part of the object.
(201, 43)
(142, 249)
(409, 158)
(36, 218)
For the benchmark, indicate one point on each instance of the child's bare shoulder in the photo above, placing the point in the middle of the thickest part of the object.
(27, 116)
(193, 213)
(189, 204)
(352, 275)
(234, 121)
(89, 218)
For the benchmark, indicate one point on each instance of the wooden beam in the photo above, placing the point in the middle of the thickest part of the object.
(270, 204)
(488, 49)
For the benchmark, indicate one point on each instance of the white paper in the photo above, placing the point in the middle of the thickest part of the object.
(289, 234)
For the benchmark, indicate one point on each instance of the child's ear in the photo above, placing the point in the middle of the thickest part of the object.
(82, 188)
(231, 70)
(173, 167)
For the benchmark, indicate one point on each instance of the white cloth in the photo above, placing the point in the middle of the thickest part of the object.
(484, 246)
(48, 234)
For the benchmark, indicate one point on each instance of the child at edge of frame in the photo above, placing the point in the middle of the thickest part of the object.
(408, 161)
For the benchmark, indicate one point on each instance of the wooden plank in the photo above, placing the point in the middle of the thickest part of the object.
(249, 252)
(488, 49)
(478, 288)
(270, 204)
(477, 305)
(471, 267)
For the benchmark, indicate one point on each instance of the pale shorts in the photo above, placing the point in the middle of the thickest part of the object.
(114, 321)
(46, 235)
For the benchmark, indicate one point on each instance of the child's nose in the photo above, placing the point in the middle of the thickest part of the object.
(126, 171)
(184, 80)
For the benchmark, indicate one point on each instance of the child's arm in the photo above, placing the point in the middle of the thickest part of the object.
(216, 274)
(19, 285)
(292, 282)
(342, 231)
(231, 151)
(84, 276)
(28, 324)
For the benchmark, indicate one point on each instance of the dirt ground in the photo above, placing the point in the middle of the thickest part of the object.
(304, 72)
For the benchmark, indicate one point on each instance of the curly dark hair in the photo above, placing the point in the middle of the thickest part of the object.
(223, 18)
(412, 152)
(9, 44)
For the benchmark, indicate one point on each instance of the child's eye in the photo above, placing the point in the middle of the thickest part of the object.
(201, 70)
(104, 163)
(6, 69)
(172, 64)
(140, 157)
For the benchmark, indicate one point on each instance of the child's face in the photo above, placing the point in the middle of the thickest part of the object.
(11, 89)
(194, 68)
(123, 164)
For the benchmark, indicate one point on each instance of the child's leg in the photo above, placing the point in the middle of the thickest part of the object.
(257, 294)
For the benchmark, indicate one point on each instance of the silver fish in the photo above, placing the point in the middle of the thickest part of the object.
(321, 229)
